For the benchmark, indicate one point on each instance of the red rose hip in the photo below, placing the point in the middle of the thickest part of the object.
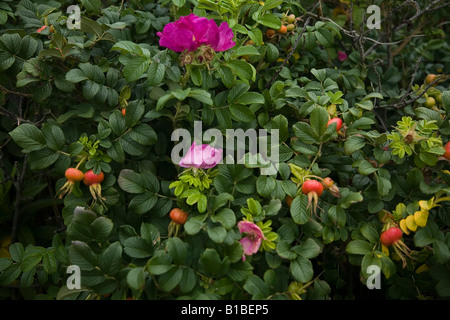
(312, 186)
(338, 122)
(447, 151)
(74, 175)
(178, 216)
(90, 178)
(390, 236)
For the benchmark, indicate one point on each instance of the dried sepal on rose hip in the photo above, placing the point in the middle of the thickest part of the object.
(93, 181)
(179, 218)
(73, 175)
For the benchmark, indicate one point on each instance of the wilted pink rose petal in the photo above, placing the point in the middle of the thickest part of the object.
(253, 237)
(201, 156)
(250, 246)
(342, 56)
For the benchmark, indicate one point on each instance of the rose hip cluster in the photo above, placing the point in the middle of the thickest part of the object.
(90, 179)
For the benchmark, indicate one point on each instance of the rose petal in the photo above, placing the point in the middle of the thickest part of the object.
(225, 40)
(191, 31)
(250, 228)
(250, 246)
(211, 157)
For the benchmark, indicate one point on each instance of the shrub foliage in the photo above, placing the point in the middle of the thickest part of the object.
(62, 93)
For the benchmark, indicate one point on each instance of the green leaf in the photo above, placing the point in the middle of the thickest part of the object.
(196, 76)
(43, 158)
(76, 75)
(337, 215)
(91, 5)
(441, 251)
(169, 280)
(188, 280)
(279, 122)
(305, 133)
(265, 185)
(250, 98)
(244, 70)
(155, 73)
(177, 250)
(101, 229)
(31, 260)
(179, 3)
(270, 4)
(90, 89)
(217, 234)
(210, 261)
(220, 200)
(111, 259)
(5, 263)
(446, 101)
(10, 274)
(270, 20)
(365, 168)
(246, 51)
(241, 113)
(359, 247)
(308, 249)
(272, 52)
(136, 278)
(194, 224)
(131, 182)
(226, 217)
(349, 197)
(117, 122)
(299, 212)
(135, 68)
(324, 37)
(134, 111)
(285, 251)
(136, 247)
(424, 237)
(319, 120)
(82, 255)
(149, 232)
(301, 269)
(127, 47)
(370, 233)
(28, 137)
(319, 74)
(143, 203)
(116, 152)
(256, 287)
(353, 144)
(159, 264)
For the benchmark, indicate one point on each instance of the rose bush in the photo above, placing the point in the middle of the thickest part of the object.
(104, 96)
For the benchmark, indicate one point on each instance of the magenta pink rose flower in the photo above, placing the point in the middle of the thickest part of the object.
(191, 31)
(342, 56)
(201, 156)
(253, 237)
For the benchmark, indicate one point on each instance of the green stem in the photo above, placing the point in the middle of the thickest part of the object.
(319, 152)
(64, 153)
